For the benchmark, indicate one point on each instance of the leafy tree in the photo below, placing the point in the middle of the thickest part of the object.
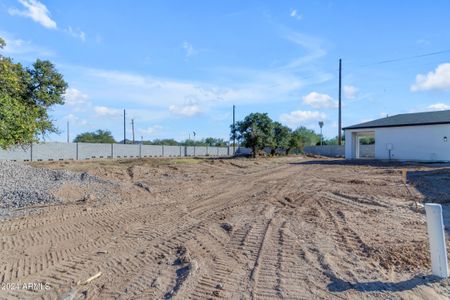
(166, 142)
(99, 136)
(281, 137)
(216, 142)
(367, 140)
(26, 94)
(302, 137)
(255, 131)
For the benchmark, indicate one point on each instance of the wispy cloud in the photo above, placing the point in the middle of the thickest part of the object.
(313, 47)
(189, 49)
(350, 92)
(439, 79)
(317, 100)
(439, 106)
(152, 130)
(189, 98)
(187, 110)
(295, 14)
(24, 49)
(300, 117)
(76, 33)
(104, 111)
(73, 119)
(76, 100)
(36, 11)
(74, 97)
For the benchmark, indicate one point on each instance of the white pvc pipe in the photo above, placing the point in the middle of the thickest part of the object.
(436, 235)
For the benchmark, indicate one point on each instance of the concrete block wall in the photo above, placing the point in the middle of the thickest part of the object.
(91, 150)
(54, 151)
(151, 150)
(82, 151)
(16, 153)
(126, 151)
(171, 151)
(225, 151)
(191, 151)
(326, 150)
(367, 151)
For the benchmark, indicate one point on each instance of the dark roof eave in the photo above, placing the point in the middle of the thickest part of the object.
(396, 125)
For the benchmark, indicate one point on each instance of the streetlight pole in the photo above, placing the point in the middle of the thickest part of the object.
(321, 135)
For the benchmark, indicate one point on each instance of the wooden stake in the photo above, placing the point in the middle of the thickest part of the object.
(91, 278)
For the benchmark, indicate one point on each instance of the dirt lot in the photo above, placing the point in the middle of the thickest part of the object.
(293, 228)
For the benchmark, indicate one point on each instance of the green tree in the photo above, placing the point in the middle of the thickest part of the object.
(26, 94)
(367, 140)
(166, 142)
(99, 136)
(281, 137)
(255, 131)
(302, 137)
(216, 142)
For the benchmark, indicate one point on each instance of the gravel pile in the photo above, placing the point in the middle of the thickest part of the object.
(22, 185)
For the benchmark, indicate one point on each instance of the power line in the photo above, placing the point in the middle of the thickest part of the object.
(387, 61)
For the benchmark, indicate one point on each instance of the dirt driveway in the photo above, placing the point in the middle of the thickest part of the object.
(291, 228)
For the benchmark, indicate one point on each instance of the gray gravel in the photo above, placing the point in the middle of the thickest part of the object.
(22, 185)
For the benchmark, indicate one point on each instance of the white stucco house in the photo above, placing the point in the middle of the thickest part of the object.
(416, 137)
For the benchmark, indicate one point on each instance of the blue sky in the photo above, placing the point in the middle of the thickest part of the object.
(179, 66)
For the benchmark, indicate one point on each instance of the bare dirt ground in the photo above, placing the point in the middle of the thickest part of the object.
(291, 228)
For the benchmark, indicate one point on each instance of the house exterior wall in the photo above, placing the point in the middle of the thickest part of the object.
(424, 143)
(416, 143)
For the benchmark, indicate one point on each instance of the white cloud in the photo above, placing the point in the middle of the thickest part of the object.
(294, 14)
(350, 92)
(317, 100)
(76, 33)
(152, 130)
(36, 11)
(439, 106)
(187, 110)
(25, 49)
(189, 49)
(75, 97)
(104, 111)
(299, 117)
(73, 119)
(437, 80)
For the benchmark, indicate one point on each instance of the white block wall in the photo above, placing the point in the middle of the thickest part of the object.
(17, 153)
(54, 151)
(82, 151)
(126, 151)
(151, 150)
(171, 151)
(91, 150)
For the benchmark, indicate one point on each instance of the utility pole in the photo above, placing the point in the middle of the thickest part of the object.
(68, 135)
(340, 104)
(234, 130)
(124, 127)
(132, 128)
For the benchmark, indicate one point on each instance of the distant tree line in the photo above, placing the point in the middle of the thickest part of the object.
(105, 136)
